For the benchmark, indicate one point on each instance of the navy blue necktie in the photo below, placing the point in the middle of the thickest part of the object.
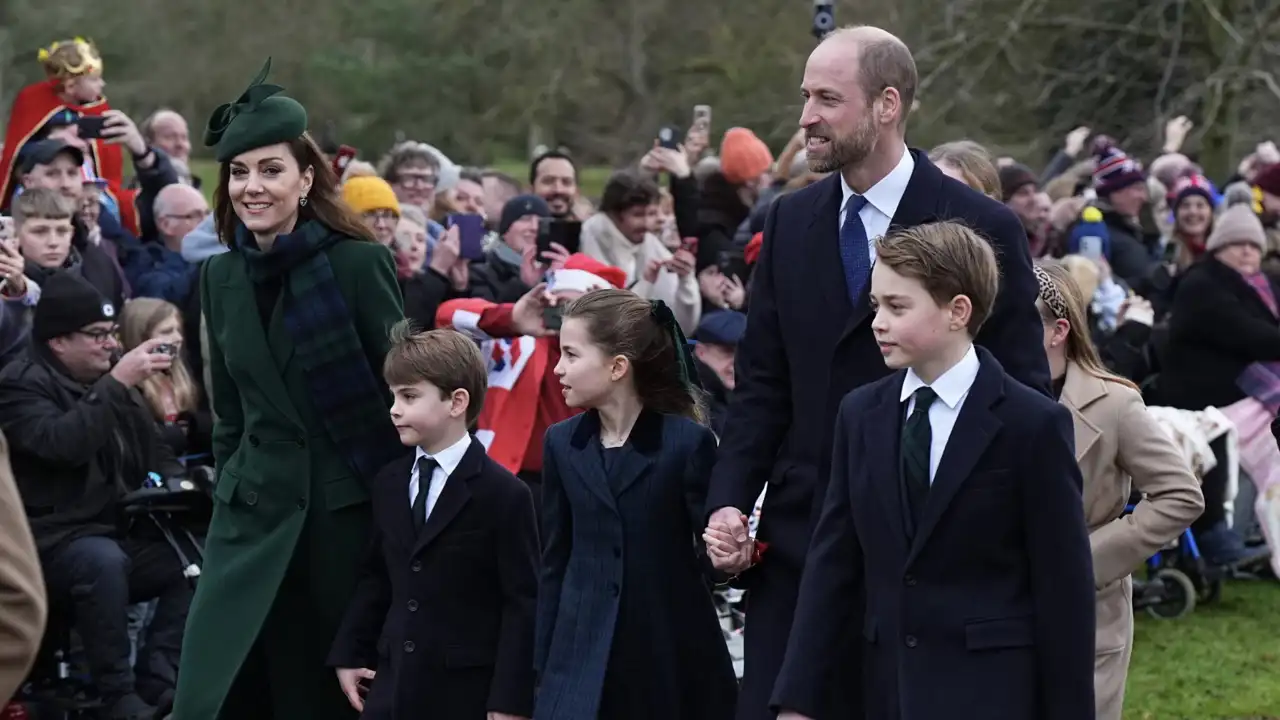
(854, 251)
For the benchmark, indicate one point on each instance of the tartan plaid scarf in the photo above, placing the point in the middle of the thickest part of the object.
(344, 389)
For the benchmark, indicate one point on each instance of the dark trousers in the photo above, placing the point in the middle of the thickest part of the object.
(1214, 487)
(98, 578)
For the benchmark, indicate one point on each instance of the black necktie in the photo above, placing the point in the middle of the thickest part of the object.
(917, 439)
(426, 467)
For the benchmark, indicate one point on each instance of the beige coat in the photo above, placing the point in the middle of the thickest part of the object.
(1118, 441)
(22, 595)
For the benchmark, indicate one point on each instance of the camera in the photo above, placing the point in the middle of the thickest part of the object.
(824, 18)
(165, 349)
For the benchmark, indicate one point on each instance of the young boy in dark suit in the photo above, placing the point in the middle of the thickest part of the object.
(441, 624)
(954, 509)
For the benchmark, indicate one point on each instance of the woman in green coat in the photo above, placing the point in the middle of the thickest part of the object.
(298, 315)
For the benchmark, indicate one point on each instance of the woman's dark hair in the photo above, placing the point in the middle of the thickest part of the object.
(627, 189)
(324, 202)
(623, 323)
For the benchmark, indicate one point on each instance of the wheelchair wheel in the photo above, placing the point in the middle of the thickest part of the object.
(1211, 590)
(1178, 596)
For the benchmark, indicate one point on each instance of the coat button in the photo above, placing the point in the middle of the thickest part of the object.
(302, 503)
(251, 498)
(408, 646)
(910, 580)
(253, 440)
(911, 641)
(416, 566)
(412, 605)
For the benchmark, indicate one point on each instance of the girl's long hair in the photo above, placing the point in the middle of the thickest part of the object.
(623, 323)
(138, 322)
(324, 202)
(1063, 300)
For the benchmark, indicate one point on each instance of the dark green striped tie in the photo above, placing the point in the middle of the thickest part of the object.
(917, 438)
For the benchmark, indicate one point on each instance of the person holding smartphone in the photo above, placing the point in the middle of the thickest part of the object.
(18, 294)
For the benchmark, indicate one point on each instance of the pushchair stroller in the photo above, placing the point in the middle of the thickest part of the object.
(178, 511)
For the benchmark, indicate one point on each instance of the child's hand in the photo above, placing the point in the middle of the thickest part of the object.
(504, 716)
(349, 679)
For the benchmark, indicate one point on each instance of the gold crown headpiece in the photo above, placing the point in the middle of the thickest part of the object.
(67, 59)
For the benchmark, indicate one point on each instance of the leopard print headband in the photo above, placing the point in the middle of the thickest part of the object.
(1050, 294)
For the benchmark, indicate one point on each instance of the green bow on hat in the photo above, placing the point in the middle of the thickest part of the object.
(258, 118)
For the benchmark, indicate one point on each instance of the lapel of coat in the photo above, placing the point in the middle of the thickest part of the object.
(916, 207)
(453, 497)
(584, 456)
(975, 428)
(826, 266)
(882, 435)
(278, 336)
(398, 522)
(1079, 392)
(251, 338)
(643, 446)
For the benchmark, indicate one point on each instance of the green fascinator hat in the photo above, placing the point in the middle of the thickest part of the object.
(261, 116)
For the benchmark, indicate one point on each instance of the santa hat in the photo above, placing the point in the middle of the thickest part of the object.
(1115, 170)
(583, 273)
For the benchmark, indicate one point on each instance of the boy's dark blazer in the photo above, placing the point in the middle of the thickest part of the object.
(989, 610)
(446, 618)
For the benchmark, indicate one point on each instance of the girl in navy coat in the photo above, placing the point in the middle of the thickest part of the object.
(626, 627)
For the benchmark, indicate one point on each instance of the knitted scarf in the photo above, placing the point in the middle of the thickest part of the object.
(345, 390)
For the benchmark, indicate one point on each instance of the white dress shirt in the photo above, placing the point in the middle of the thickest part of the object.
(952, 388)
(882, 200)
(446, 462)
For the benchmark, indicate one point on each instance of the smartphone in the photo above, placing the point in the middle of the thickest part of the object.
(553, 317)
(342, 159)
(702, 117)
(90, 126)
(669, 137)
(470, 234)
(7, 231)
(690, 244)
(1091, 247)
(566, 233)
(732, 262)
(165, 349)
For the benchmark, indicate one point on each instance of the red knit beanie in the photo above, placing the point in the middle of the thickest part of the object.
(743, 156)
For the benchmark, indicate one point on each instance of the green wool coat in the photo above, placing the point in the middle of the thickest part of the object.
(290, 518)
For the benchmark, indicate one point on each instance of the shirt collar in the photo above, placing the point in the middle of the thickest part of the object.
(952, 385)
(449, 458)
(886, 194)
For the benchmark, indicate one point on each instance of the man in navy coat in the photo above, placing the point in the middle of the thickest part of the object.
(809, 341)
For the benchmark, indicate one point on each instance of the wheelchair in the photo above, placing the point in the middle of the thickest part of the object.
(176, 510)
(1177, 579)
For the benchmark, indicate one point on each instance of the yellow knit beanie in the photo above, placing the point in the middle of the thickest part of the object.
(366, 194)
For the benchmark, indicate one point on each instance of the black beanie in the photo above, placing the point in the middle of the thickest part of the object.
(1015, 177)
(68, 303)
(519, 206)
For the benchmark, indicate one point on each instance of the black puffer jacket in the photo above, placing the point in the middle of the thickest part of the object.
(496, 279)
(75, 449)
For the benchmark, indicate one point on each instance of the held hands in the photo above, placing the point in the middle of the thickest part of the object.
(788, 715)
(354, 685)
(729, 545)
(141, 363)
(504, 716)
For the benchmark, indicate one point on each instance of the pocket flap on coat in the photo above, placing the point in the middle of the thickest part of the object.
(999, 633)
(463, 657)
(225, 488)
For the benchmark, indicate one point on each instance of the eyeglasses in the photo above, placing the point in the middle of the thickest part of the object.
(410, 179)
(101, 336)
(193, 216)
(375, 215)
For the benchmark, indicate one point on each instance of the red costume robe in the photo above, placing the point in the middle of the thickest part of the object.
(32, 108)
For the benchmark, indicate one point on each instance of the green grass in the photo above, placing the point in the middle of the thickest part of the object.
(591, 179)
(1222, 662)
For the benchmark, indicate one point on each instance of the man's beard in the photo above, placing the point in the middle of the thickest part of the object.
(845, 150)
(568, 205)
